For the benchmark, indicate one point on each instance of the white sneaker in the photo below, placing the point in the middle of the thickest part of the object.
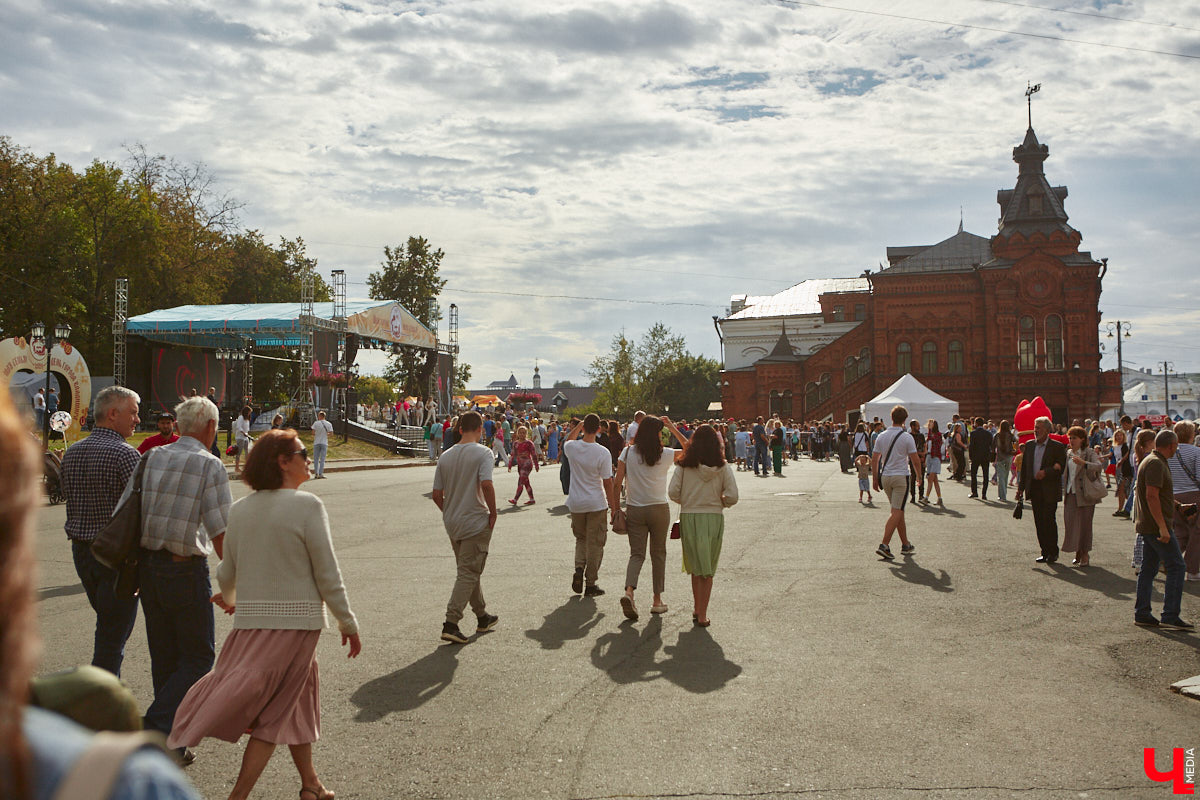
(1193, 576)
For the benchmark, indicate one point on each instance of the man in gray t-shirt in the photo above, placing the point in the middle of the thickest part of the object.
(463, 490)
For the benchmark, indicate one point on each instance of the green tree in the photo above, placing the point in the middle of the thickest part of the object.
(462, 378)
(655, 372)
(374, 389)
(409, 276)
(261, 273)
(563, 385)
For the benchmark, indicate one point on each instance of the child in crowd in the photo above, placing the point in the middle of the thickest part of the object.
(863, 463)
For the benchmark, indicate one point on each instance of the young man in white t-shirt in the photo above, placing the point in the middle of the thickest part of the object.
(589, 498)
(895, 450)
(321, 430)
(463, 490)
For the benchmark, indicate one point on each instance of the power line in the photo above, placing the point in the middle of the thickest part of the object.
(578, 297)
(1169, 25)
(988, 28)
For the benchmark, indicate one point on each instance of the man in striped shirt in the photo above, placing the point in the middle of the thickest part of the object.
(95, 471)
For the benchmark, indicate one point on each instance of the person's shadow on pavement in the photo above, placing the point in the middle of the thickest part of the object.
(406, 688)
(574, 619)
(697, 663)
(627, 656)
(909, 570)
(1099, 579)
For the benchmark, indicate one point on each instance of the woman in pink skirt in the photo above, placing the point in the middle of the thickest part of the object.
(278, 574)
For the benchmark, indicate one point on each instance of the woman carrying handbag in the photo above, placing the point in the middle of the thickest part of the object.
(704, 486)
(1080, 496)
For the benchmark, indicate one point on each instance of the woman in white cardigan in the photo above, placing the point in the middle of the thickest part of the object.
(278, 574)
(704, 486)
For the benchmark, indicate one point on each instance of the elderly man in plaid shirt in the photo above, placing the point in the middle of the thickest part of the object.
(95, 471)
(185, 505)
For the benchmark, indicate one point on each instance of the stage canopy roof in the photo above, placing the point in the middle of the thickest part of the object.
(278, 324)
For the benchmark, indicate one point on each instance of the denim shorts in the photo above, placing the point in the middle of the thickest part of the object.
(864, 485)
(933, 466)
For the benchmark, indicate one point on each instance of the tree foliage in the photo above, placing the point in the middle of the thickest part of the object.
(652, 374)
(375, 389)
(462, 378)
(409, 276)
(66, 236)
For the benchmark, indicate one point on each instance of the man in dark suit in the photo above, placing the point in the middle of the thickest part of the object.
(1042, 468)
(980, 450)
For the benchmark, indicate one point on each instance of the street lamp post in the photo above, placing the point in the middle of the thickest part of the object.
(1117, 328)
(231, 358)
(38, 334)
(1167, 367)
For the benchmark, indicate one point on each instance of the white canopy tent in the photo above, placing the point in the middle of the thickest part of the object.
(922, 402)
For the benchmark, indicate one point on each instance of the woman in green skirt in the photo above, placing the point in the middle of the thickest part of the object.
(704, 486)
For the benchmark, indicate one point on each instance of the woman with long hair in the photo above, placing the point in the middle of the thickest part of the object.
(933, 462)
(1006, 448)
(1124, 472)
(552, 442)
(616, 441)
(704, 486)
(524, 455)
(644, 466)
(278, 574)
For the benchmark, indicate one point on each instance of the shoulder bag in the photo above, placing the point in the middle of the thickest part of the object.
(883, 463)
(1094, 489)
(116, 546)
(95, 773)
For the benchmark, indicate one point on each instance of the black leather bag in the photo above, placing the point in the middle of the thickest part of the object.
(117, 545)
(1019, 511)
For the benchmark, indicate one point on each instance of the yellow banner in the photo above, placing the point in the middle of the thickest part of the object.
(391, 322)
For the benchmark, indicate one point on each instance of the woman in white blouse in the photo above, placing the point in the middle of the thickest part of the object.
(241, 433)
(645, 466)
(278, 574)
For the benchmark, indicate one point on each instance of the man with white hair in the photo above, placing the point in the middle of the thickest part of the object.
(185, 505)
(631, 432)
(95, 471)
(1042, 467)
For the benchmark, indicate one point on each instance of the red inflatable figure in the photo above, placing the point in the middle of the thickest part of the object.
(1027, 413)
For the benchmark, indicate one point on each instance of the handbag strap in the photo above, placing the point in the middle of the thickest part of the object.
(1183, 464)
(95, 773)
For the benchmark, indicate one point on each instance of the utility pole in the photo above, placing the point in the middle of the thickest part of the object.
(1117, 328)
(1167, 366)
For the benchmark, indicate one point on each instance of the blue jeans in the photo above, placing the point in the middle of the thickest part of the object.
(319, 453)
(1132, 491)
(1169, 554)
(179, 629)
(115, 616)
(1003, 464)
(760, 457)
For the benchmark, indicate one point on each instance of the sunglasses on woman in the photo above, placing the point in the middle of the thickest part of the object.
(302, 452)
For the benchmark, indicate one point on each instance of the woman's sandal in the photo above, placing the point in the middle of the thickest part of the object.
(316, 794)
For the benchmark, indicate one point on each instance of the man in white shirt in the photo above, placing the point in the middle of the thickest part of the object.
(321, 430)
(463, 490)
(895, 450)
(590, 496)
(39, 409)
(631, 431)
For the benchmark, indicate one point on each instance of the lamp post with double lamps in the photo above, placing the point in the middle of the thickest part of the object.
(38, 334)
(231, 358)
(1117, 328)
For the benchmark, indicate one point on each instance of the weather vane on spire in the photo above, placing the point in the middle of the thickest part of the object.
(1029, 92)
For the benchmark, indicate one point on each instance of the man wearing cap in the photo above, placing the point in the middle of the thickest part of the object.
(166, 433)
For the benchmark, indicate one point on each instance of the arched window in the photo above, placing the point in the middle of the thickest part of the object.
(955, 349)
(812, 397)
(929, 358)
(826, 388)
(1054, 342)
(850, 370)
(864, 362)
(903, 358)
(1026, 344)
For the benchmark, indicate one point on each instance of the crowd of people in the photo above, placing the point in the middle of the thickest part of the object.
(278, 572)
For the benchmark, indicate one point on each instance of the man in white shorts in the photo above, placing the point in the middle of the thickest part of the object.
(895, 450)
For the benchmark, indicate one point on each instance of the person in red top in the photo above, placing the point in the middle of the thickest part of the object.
(525, 456)
(166, 433)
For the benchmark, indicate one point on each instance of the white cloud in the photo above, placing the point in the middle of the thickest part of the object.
(629, 149)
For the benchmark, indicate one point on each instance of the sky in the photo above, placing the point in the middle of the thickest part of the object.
(596, 167)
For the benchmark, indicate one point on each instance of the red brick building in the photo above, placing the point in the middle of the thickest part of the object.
(986, 322)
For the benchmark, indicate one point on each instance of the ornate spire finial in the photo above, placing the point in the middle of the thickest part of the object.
(1029, 92)
(960, 219)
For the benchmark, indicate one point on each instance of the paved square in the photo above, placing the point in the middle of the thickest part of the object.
(965, 671)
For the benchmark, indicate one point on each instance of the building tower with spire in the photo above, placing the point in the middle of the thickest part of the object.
(537, 376)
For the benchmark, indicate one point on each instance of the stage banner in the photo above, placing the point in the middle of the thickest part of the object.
(175, 372)
(391, 322)
(17, 354)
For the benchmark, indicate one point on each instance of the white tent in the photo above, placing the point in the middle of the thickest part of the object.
(922, 402)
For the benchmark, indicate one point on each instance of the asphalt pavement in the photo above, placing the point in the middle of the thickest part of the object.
(963, 671)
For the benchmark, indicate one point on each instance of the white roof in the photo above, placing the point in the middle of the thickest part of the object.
(799, 299)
